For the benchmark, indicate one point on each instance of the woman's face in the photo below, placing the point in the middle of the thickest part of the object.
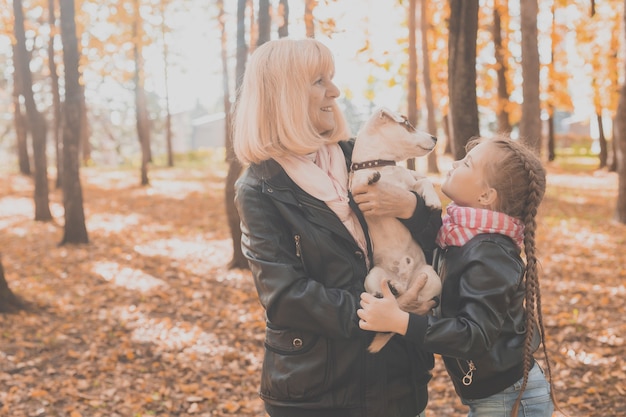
(322, 95)
(465, 183)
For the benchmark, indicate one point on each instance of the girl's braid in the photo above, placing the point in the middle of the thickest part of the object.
(535, 191)
(533, 274)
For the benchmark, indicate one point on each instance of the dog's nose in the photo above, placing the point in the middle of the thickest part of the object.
(434, 138)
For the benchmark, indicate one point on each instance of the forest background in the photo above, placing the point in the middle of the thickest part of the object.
(120, 259)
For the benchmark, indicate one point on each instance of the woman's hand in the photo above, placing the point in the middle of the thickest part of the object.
(382, 314)
(385, 200)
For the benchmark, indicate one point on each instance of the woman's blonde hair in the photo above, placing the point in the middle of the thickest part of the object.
(271, 115)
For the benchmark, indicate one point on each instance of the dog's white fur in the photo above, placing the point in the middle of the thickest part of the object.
(397, 257)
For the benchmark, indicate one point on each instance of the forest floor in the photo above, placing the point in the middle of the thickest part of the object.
(146, 320)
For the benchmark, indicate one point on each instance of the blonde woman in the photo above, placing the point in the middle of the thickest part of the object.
(308, 247)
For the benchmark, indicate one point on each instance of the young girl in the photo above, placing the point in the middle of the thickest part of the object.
(489, 322)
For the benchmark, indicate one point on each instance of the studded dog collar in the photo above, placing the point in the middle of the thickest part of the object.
(371, 164)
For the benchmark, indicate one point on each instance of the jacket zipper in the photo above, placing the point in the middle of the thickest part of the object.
(296, 239)
(469, 375)
(299, 253)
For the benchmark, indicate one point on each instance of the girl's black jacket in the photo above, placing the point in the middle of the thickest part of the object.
(309, 275)
(481, 318)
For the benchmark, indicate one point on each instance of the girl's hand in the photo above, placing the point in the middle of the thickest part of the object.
(382, 314)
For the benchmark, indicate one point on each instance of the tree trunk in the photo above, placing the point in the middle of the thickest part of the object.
(604, 150)
(265, 22)
(462, 74)
(75, 230)
(168, 136)
(141, 109)
(433, 168)
(42, 202)
(56, 100)
(9, 302)
(242, 47)
(530, 124)
(412, 75)
(225, 81)
(21, 132)
(85, 146)
(551, 141)
(309, 21)
(620, 138)
(614, 145)
(551, 88)
(504, 125)
(446, 131)
(614, 76)
(168, 116)
(37, 122)
(234, 170)
(283, 12)
(21, 127)
(234, 166)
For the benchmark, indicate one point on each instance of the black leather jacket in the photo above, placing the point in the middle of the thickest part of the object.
(309, 275)
(481, 318)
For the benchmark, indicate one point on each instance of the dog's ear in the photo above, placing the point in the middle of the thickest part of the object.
(385, 112)
(390, 114)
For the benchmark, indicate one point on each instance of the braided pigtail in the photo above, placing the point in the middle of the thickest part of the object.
(536, 188)
(533, 293)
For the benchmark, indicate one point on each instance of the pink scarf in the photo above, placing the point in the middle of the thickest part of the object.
(461, 224)
(324, 175)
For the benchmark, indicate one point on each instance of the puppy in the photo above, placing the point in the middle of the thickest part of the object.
(386, 138)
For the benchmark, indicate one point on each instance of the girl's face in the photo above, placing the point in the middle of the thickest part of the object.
(322, 95)
(466, 183)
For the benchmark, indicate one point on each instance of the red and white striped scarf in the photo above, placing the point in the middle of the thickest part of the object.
(460, 224)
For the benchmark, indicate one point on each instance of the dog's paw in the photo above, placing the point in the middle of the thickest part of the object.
(426, 189)
(432, 201)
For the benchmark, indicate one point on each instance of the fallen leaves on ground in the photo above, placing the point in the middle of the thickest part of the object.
(147, 320)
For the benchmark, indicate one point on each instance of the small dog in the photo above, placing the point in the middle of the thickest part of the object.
(387, 138)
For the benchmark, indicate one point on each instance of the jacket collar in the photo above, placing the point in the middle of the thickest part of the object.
(277, 183)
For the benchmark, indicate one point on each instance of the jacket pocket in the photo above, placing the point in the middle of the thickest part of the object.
(296, 365)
